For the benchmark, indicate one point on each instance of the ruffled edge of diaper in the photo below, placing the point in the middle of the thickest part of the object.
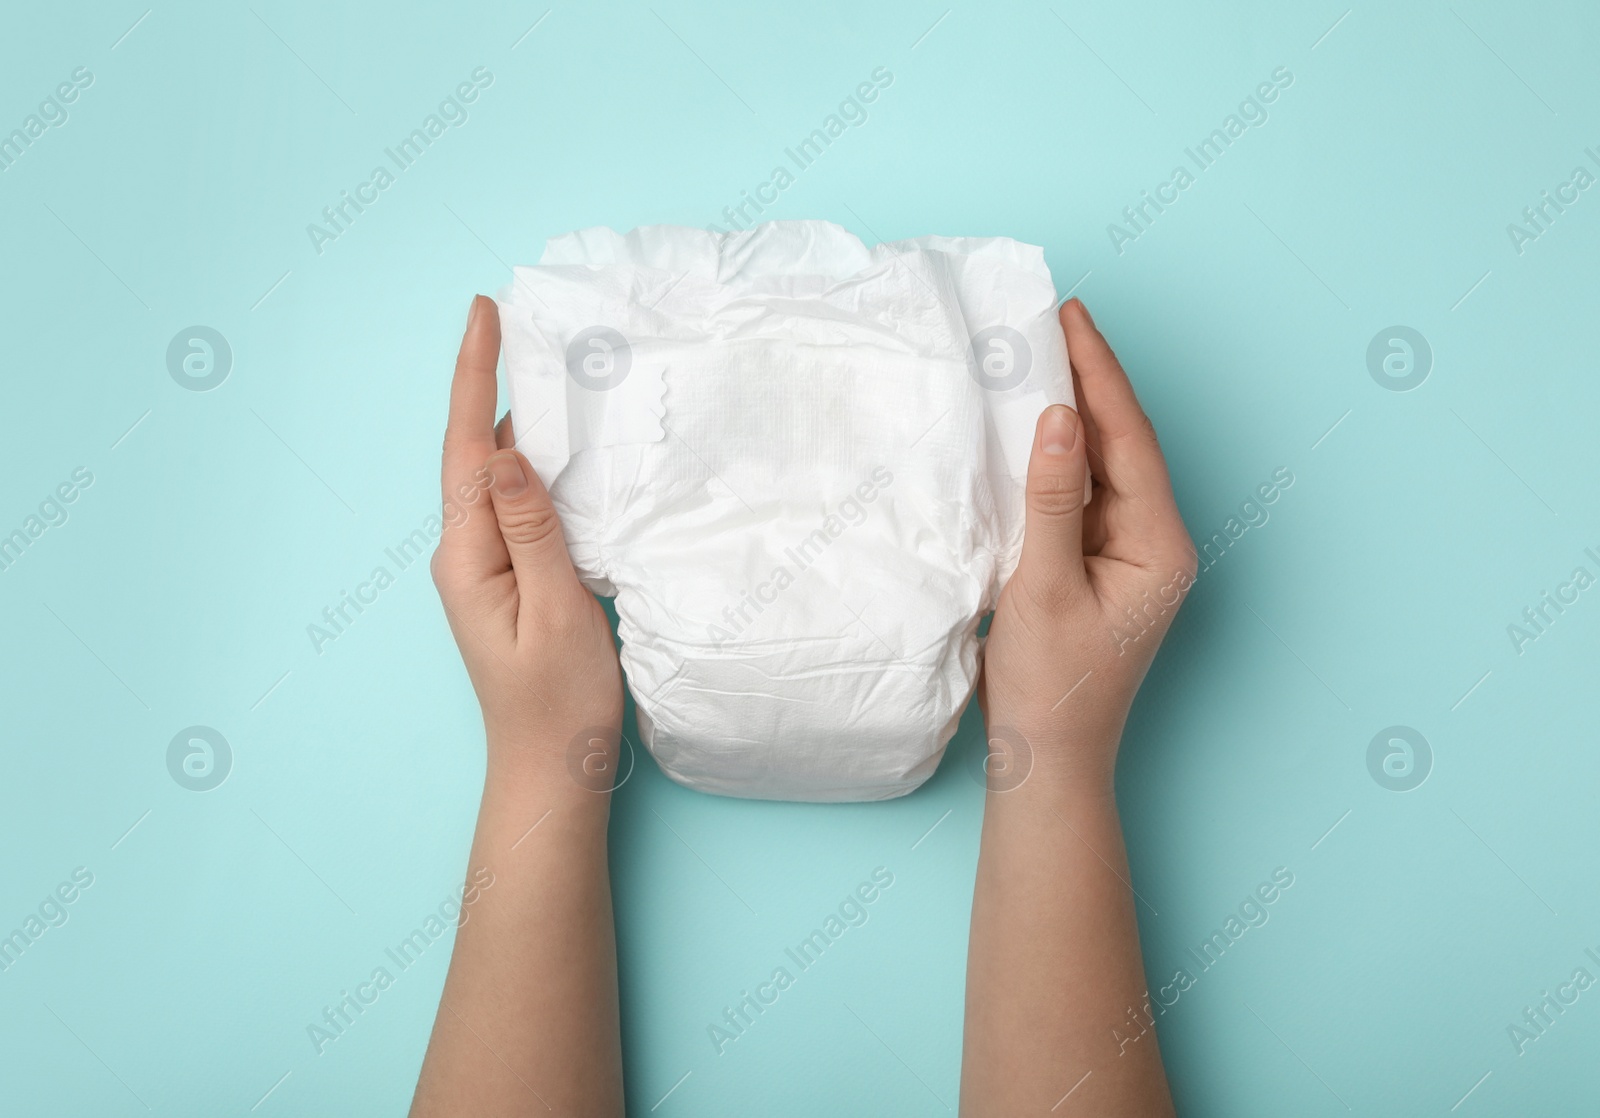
(775, 248)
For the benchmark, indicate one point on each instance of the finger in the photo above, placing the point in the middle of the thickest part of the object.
(503, 435)
(1130, 463)
(1052, 544)
(1091, 433)
(1094, 513)
(469, 437)
(1127, 442)
(530, 527)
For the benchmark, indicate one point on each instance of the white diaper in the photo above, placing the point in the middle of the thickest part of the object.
(798, 463)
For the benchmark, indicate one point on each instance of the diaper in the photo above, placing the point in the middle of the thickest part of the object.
(798, 464)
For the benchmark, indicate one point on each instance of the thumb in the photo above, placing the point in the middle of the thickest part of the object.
(528, 523)
(1052, 547)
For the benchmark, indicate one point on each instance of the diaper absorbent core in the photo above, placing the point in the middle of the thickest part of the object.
(798, 464)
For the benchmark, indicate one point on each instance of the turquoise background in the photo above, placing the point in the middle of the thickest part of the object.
(219, 525)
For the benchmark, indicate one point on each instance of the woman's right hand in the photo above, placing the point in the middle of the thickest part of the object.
(1097, 585)
(537, 645)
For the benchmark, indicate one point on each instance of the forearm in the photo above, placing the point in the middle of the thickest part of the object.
(528, 1022)
(1053, 964)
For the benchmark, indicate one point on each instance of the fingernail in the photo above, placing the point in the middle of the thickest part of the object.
(1084, 307)
(509, 480)
(472, 312)
(1060, 430)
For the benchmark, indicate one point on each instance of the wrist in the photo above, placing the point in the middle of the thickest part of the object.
(1041, 758)
(524, 808)
(570, 772)
(525, 827)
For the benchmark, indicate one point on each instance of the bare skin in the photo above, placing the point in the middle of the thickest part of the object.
(1053, 962)
(528, 1023)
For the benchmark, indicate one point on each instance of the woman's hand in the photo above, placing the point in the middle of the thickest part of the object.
(1054, 976)
(536, 643)
(528, 1020)
(1097, 585)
